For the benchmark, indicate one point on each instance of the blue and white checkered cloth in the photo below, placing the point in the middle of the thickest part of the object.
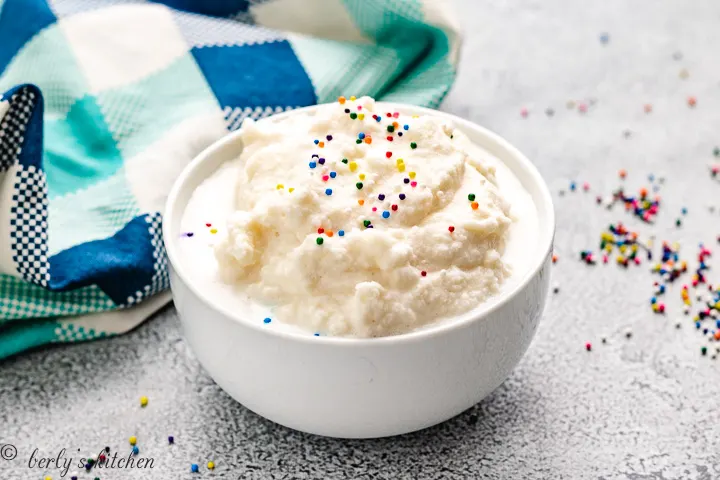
(107, 101)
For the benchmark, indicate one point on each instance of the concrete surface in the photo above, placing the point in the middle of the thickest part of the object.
(644, 407)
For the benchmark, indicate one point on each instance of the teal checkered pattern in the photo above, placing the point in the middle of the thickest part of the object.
(129, 91)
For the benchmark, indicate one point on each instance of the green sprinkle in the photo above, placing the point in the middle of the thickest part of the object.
(471, 197)
(716, 151)
(366, 223)
(359, 185)
(413, 145)
(703, 350)
(452, 136)
(353, 115)
(358, 141)
(319, 240)
(390, 128)
(345, 160)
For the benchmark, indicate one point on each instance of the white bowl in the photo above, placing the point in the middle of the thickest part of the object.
(362, 388)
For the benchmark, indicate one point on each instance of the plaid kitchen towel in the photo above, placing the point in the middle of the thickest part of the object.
(107, 101)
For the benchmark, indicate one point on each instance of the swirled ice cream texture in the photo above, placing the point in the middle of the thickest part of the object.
(413, 227)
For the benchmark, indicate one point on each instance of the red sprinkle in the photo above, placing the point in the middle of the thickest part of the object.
(394, 207)
(389, 114)
(208, 224)
(374, 209)
(389, 138)
(321, 230)
(423, 273)
(413, 184)
(588, 346)
(388, 154)
(451, 229)
(326, 178)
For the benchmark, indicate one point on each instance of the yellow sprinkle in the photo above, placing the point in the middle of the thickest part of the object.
(362, 176)
(400, 161)
(133, 440)
(411, 174)
(280, 186)
(361, 116)
(352, 99)
(48, 477)
(401, 167)
(211, 465)
(353, 166)
(291, 189)
(416, 116)
(213, 231)
(144, 399)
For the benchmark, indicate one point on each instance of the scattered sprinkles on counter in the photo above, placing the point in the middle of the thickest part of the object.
(624, 243)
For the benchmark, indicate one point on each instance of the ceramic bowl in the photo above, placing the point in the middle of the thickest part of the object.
(362, 388)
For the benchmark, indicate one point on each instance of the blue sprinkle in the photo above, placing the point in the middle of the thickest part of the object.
(341, 233)
(328, 191)
(573, 186)
(717, 323)
(267, 320)
(684, 211)
(136, 450)
(604, 38)
(651, 177)
(697, 325)
(406, 127)
(653, 300)
(361, 135)
(316, 141)
(378, 119)
(194, 468)
(705, 331)
(316, 334)
(313, 164)
(333, 174)
(386, 214)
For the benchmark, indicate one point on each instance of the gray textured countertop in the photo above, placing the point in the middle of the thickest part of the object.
(644, 407)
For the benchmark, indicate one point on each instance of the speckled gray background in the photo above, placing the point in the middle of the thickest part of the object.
(647, 407)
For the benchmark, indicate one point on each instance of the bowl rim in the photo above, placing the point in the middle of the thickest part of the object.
(545, 241)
